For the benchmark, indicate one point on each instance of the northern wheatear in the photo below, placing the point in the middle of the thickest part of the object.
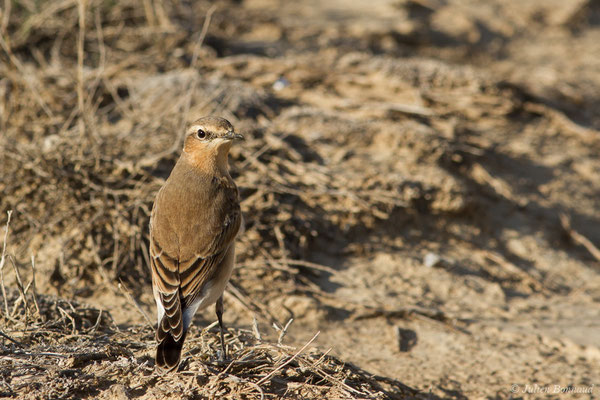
(195, 219)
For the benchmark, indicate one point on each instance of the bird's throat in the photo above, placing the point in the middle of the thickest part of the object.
(212, 159)
(222, 159)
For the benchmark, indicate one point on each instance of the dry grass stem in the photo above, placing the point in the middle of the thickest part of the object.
(3, 261)
(279, 367)
(283, 332)
(202, 34)
(578, 238)
(132, 300)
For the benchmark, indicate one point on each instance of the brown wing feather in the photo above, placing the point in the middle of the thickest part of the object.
(166, 279)
(195, 273)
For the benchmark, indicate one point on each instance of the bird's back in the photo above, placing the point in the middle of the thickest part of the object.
(189, 209)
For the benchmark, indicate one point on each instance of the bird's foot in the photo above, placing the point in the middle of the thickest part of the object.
(184, 364)
(221, 357)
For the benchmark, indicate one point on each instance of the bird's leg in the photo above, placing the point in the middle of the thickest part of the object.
(219, 310)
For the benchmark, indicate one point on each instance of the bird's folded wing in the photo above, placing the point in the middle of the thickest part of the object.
(196, 272)
(180, 282)
(166, 281)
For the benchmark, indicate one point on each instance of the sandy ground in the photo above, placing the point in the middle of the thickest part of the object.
(403, 186)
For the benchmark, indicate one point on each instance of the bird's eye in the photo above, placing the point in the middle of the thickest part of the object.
(201, 134)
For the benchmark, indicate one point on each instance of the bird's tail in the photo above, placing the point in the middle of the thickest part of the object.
(170, 333)
(168, 352)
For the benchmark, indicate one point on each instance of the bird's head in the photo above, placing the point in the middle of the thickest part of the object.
(210, 134)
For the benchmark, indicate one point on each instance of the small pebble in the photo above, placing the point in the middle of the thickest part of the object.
(431, 260)
(281, 83)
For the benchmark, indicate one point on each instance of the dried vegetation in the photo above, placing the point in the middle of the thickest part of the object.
(352, 150)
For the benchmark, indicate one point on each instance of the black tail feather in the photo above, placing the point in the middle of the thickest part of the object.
(168, 352)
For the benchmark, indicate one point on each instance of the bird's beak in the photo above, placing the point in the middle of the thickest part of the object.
(232, 136)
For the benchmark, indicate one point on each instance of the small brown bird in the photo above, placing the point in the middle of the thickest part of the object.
(195, 219)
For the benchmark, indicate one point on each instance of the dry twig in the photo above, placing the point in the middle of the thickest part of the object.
(129, 297)
(279, 367)
(578, 238)
(3, 261)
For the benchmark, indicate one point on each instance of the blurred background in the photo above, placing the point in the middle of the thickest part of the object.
(420, 181)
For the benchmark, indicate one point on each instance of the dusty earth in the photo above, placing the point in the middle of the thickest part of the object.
(420, 185)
